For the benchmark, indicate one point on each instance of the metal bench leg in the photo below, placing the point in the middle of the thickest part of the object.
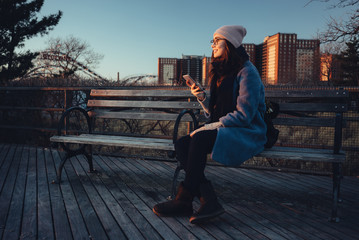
(88, 156)
(69, 154)
(336, 191)
(61, 166)
(174, 181)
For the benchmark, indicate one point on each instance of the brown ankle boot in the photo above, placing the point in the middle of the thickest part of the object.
(180, 206)
(210, 206)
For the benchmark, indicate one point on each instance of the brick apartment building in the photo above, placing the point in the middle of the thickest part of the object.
(281, 59)
(288, 60)
(171, 70)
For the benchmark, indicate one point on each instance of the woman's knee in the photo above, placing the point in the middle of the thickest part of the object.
(182, 143)
(207, 137)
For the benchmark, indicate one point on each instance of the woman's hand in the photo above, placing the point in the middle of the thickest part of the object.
(210, 126)
(196, 91)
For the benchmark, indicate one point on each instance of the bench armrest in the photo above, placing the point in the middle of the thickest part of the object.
(67, 113)
(73, 117)
(178, 121)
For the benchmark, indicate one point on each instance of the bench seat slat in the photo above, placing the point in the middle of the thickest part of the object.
(119, 141)
(316, 155)
(303, 154)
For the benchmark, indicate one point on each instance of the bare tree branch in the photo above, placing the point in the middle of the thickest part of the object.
(339, 29)
(338, 4)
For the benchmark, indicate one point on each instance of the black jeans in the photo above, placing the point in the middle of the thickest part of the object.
(192, 153)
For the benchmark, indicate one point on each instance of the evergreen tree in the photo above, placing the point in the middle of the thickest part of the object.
(350, 63)
(18, 22)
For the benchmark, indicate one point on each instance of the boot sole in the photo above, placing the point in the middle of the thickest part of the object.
(205, 218)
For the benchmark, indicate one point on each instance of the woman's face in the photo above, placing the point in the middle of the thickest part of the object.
(218, 47)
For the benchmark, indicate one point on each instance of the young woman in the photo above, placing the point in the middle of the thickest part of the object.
(235, 131)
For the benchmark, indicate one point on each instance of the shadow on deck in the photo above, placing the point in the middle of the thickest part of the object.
(116, 202)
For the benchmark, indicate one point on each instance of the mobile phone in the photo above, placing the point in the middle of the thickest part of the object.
(189, 79)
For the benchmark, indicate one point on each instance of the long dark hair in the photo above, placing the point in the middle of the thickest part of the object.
(230, 63)
(225, 66)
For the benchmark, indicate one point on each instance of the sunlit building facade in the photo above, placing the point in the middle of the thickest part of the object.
(288, 60)
(281, 59)
(330, 69)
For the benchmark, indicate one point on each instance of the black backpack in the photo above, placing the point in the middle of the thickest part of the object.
(272, 111)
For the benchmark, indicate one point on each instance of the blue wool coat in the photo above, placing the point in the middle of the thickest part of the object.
(244, 131)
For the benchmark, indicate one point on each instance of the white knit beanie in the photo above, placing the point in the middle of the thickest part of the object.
(233, 33)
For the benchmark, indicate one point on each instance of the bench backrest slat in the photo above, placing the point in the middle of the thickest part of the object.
(306, 93)
(162, 116)
(305, 121)
(143, 104)
(314, 107)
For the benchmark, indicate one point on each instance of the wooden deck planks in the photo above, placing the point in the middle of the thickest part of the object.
(13, 221)
(245, 222)
(127, 228)
(44, 213)
(271, 192)
(184, 229)
(297, 199)
(29, 223)
(61, 224)
(280, 203)
(93, 223)
(116, 202)
(216, 228)
(69, 206)
(145, 192)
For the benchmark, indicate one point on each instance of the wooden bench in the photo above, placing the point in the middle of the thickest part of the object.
(125, 105)
(298, 108)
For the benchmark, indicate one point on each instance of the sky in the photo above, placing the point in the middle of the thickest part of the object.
(133, 34)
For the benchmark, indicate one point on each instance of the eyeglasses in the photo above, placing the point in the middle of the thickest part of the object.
(215, 41)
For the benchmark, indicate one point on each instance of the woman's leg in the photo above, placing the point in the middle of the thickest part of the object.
(199, 146)
(182, 148)
(192, 153)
